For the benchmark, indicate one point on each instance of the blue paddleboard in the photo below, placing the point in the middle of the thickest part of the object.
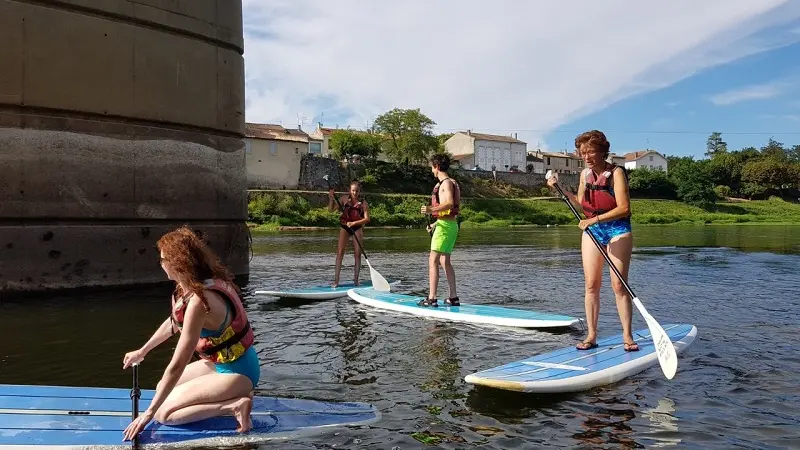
(323, 292)
(76, 417)
(570, 370)
(482, 314)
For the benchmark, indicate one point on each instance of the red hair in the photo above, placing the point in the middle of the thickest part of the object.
(594, 139)
(190, 257)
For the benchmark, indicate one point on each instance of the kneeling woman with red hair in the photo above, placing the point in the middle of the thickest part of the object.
(208, 312)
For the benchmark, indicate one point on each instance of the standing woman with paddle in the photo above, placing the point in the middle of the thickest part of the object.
(603, 195)
(355, 214)
(208, 312)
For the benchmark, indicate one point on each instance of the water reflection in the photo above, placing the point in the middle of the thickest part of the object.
(665, 423)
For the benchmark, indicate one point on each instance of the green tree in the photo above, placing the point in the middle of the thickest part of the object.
(693, 183)
(349, 143)
(442, 138)
(408, 135)
(769, 173)
(715, 145)
(651, 183)
(774, 150)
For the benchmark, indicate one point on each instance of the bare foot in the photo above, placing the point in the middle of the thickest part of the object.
(241, 411)
(335, 284)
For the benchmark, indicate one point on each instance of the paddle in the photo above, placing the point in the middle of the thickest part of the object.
(135, 395)
(379, 283)
(664, 348)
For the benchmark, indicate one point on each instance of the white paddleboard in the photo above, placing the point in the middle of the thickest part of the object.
(481, 314)
(323, 292)
(571, 370)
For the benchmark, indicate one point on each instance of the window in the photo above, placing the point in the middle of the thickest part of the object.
(651, 157)
(548, 160)
(273, 148)
(315, 147)
(248, 148)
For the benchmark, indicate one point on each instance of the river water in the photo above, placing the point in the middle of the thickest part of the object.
(736, 386)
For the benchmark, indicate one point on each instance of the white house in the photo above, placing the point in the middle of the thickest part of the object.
(650, 159)
(487, 151)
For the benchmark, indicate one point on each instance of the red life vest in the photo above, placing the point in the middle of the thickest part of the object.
(351, 212)
(448, 213)
(234, 339)
(598, 195)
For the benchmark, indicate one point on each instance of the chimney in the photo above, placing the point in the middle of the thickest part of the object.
(515, 135)
(469, 132)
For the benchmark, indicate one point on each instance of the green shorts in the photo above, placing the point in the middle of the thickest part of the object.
(444, 236)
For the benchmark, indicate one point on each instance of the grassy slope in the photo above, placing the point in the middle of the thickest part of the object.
(273, 210)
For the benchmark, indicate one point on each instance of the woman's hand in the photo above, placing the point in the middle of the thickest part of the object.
(552, 180)
(350, 224)
(138, 425)
(331, 193)
(584, 224)
(425, 209)
(134, 357)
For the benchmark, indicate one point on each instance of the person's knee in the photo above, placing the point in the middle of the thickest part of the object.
(617, 285)
(162, 415)
(592, 286)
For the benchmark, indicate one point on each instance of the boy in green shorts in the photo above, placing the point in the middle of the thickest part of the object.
(445, 201)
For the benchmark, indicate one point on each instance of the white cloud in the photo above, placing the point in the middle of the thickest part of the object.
(497, 67)
(753, 92)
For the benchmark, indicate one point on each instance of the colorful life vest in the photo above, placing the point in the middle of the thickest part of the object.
(447, 213)
(234, 339)
(351, 212)
(598, 195)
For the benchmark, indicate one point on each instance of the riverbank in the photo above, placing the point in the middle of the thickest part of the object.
(307, 210)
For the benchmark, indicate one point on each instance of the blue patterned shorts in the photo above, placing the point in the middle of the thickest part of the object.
(605, 231)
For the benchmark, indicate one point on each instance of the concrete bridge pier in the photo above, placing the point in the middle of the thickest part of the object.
(119, 120)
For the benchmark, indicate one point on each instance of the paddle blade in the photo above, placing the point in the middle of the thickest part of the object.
(379, 283)
(665, 350)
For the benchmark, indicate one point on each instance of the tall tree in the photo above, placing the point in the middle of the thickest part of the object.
(408, 135)
(715, 145)
(774, 150)
(348, 143)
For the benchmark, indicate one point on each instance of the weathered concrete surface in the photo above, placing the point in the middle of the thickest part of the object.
(119, 120)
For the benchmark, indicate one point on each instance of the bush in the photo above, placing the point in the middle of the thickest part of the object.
(722, 192)
(651, 183)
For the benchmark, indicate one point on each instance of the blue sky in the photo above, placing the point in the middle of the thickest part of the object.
(659, 75)
(748, 101)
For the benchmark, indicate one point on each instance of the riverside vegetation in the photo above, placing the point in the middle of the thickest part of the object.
(274, 210)
(745, 186)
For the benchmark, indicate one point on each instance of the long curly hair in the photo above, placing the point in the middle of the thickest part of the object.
(190, 257)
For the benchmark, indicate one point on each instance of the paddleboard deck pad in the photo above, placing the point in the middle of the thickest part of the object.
(325, 292)
(60, 417)
(481, 314)
(571, 370)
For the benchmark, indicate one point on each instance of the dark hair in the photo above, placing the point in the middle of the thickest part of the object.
(594, 139)
(441, 161)
(355, 181)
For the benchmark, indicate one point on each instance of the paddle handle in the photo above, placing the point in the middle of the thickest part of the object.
(597, 243)
(135, 394)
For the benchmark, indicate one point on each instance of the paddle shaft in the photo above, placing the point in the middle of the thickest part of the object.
(597, 243)
(135, 394)
(341, 208)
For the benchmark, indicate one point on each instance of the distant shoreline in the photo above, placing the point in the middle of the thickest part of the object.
(298, 211)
